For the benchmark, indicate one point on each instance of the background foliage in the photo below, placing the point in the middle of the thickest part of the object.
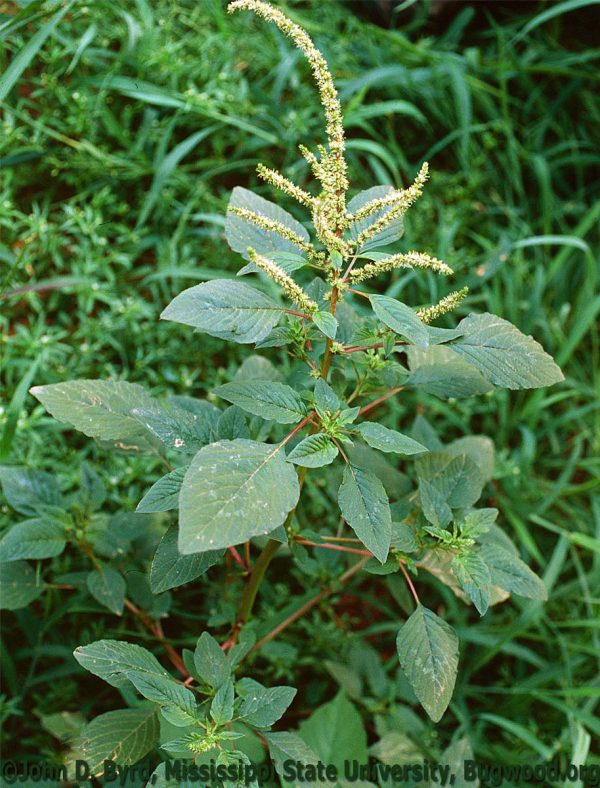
(125, 129)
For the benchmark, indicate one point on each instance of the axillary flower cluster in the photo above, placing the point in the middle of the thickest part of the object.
(330, 216)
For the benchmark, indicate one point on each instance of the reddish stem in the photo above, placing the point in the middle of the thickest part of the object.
(237, 558)
(327, 546)
(369, 406)
(410, 584)
(297, 429)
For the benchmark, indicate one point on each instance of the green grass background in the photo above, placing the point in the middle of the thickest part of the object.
(124, 129)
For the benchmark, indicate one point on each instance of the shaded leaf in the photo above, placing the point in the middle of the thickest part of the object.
(365, 506)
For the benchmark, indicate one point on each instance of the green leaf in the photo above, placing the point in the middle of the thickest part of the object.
(19, 585)
(228, 310)
(335, 732)
(433, 504)
(178, 701)
(242, 233)
(221, 708)
(232, 424)
(365, 506)
(401, 319)
(314, 451)
(36, 538)
(210, 661)
(111, 660)
(170, 569)
(384, 439)
(474, 577)
(326, 323)
(504, 355)
(123, 736)
(478, 448)
(93, 491)
(513, 575)
(428, 651)
(120, 411)
(164, 494)
(262, 707)
(285, 747)
(390, 234)
(27, 490)
(457, 478)
(325, 398)
(449, 380)
(28, 52)
(234, 490)
(108, 587)
(477, 522)
(265, 398)
(258, 368)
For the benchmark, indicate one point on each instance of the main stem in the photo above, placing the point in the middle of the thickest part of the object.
(272, 546)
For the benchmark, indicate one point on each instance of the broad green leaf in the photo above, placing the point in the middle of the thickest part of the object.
(513, 575)
(428, 651)
(326, 323)
(120, 411)
(265, 398)
(210, 661)
(232, 491)
(474, 577)
(504, 355)
(457, 478)
(258, 368)
(108, 587)
(228, 310)
(314, 451)
(450, 380)
(242, 233)
(221, 708)
(433, 504)
(111, 660)
(262, 707)
(395, 483)
(170, 569)
(401, 319)
(27, 489)
(232, 424)
(403, 538)
(478, 448)
(164, 494)
(36, 538)
(18, 585)
(438, 336)
(178, 702)
(287, 747)
(384, 439)
(335, 732)
(123, 736)
(365, 507)
(325, 398)
(391, 233)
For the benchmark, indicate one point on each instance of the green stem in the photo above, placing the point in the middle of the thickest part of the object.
(258, 572)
